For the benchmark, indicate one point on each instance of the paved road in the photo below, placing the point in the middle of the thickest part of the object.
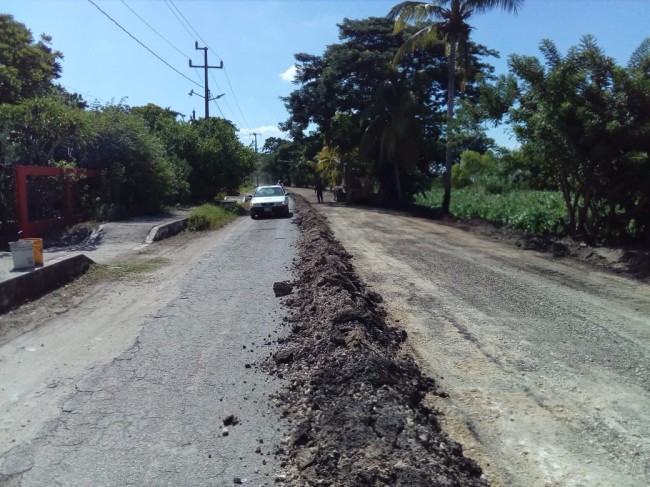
(153, 415)
(546, 361)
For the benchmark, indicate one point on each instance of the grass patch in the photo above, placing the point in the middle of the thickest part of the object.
(124, 270)
(117, 271)
(211, 217)
(531, 211)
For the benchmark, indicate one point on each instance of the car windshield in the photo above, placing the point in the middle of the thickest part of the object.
(274, 191)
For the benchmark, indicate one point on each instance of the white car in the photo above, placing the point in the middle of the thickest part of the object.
(269, 201)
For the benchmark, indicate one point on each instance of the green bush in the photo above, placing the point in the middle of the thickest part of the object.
(528, 210)
(210, 217)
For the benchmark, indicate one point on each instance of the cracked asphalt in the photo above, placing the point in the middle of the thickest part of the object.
(154, 414)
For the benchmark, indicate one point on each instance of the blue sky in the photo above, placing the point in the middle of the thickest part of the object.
(256, 40)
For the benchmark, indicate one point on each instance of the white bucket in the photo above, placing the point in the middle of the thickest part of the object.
(23, 253)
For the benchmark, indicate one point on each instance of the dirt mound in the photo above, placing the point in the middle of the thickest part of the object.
(629, 261)
(355, 399)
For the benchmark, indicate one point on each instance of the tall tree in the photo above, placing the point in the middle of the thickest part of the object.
(444, 21)
(26, 68)
(394, 134)
(589, 120)
(335, 89)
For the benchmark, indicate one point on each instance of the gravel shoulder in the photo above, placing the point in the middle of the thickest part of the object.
(546, 360)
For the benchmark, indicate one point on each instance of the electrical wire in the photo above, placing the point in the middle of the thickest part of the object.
(235, 98)
(184, 23)
(190, 25)
(219, 108)
(219, 57)
(139, 42)
(179, 20)
(185, 56)
(72, 90)
(158, 33)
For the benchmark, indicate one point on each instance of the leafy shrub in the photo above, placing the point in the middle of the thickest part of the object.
(210, 217)
(532, 211)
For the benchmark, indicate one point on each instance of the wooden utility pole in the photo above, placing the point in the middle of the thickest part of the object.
(205, 70)
(257, 169)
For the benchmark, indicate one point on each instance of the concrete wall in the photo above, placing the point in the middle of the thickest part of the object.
(40, 281)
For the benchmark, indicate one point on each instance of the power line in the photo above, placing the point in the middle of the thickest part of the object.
(185, 56)
(213, 52)
(179, 20)
(225, 100)
(158, 33)
(139, 42)
(190, 26)
(235, 98)
(185, 23)
(71, 89)
(219, 108)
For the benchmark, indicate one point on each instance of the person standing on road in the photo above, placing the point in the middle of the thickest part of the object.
(319, 190)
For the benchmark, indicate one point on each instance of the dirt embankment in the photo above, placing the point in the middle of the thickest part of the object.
(355, 400)
(628, 261)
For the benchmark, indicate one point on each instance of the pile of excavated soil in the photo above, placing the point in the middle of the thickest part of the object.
(355, 397)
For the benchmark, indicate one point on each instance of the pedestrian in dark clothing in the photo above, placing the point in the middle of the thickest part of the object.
(319, 190)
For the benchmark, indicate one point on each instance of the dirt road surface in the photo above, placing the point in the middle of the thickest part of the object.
(128, 383)
(546, 361)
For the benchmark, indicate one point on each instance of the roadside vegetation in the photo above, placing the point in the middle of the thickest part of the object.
(211, 217)
(117, 271)
(396, 112)
(534, 211)
(148, 157)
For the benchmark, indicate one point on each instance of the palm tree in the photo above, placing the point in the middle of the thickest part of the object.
(394, 135)
(446, 21)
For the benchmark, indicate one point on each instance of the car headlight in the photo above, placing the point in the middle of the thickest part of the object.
(280, 203)
(256, 205)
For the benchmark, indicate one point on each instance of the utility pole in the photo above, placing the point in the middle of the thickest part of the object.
(205, 69)
(257, 169)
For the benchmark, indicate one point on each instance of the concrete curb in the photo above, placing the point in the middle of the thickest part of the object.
(166, 230)
(41, 281)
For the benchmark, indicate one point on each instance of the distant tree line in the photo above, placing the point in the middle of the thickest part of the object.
(400, 104)
(403, 103)
(147, 157)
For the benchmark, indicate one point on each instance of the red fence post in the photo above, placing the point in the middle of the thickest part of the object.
(22, 209)
(68, 203)
(29, 228)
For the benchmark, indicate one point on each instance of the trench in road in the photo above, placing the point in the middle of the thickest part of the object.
(546, 361)
(154, 413)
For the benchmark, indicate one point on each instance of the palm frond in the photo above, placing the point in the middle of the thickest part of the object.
(482, 6)
(413, 12)
(422, 39)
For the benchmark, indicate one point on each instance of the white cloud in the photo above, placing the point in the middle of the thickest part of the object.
(289, 74)
(263, 133)
(265, 130)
